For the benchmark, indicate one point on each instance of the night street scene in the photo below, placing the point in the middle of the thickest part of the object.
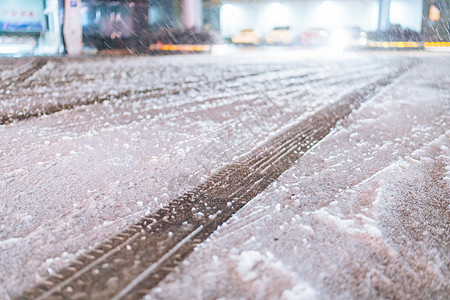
(235, 149)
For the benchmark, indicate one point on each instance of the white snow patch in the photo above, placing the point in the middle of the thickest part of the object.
(301, 291)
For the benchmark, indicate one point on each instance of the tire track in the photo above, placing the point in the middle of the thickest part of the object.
(51, 108)
(281, 76)
(129, 264)
(23, 75)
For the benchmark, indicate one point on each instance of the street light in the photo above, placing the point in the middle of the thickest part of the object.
(329, 15)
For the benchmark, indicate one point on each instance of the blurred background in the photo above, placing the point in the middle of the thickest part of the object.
(57, 27)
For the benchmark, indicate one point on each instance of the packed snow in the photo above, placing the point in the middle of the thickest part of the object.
(363, 214)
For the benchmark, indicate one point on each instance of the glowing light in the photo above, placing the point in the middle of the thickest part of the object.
(328, 4)
(278, 15)
(329, 15)
(397, 11)
(228, 11)
(275, 5)
(340, 39)
(231, 19)
(408, 14)
(437, 44)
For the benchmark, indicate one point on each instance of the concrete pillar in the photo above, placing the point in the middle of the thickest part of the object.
(141, 26)
(192, 13)
(72, 28)
(384, 15)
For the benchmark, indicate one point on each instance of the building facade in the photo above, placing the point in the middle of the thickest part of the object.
(30, 27)
(35, 26)
(369, 15)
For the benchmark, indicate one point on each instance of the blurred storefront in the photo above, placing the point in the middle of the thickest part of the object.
(300, 16)
(369, 15)
(34, 27)
(115, 24)
(125, 24)
(30, 27)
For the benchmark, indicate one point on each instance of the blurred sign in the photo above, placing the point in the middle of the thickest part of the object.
(73, 30)
(435, 13)
(22, 16)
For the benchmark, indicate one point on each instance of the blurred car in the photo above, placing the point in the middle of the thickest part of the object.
(282, 35)
(396, 33)
(191, 36)
(316, 37)
(395, 37)
(349, 37)
(246, 37)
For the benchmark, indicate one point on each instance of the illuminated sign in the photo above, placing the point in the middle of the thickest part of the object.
(21, 16)
(435, 13)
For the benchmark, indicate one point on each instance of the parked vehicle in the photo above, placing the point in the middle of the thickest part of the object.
(282, 35)
(246, 37)
(316, 37)
(349, 37)
(396, 33)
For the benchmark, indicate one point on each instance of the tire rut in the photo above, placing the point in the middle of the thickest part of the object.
(129, 264)
(133, 95)
(23, 75)
(52, 108)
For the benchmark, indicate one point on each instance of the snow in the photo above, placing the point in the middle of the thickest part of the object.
(366, 212)
(363, 214)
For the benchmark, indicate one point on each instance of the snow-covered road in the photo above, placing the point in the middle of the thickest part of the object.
(363, 214)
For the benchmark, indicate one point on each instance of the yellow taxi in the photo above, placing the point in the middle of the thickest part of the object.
(246, 37)
(282, 35)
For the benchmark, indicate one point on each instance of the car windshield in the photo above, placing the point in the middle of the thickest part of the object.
(282, 28)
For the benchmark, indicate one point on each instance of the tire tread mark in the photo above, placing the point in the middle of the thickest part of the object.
(153, 238)
(148, 93)
(23, 75)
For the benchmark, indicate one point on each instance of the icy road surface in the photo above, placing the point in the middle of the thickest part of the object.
(363, 214)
